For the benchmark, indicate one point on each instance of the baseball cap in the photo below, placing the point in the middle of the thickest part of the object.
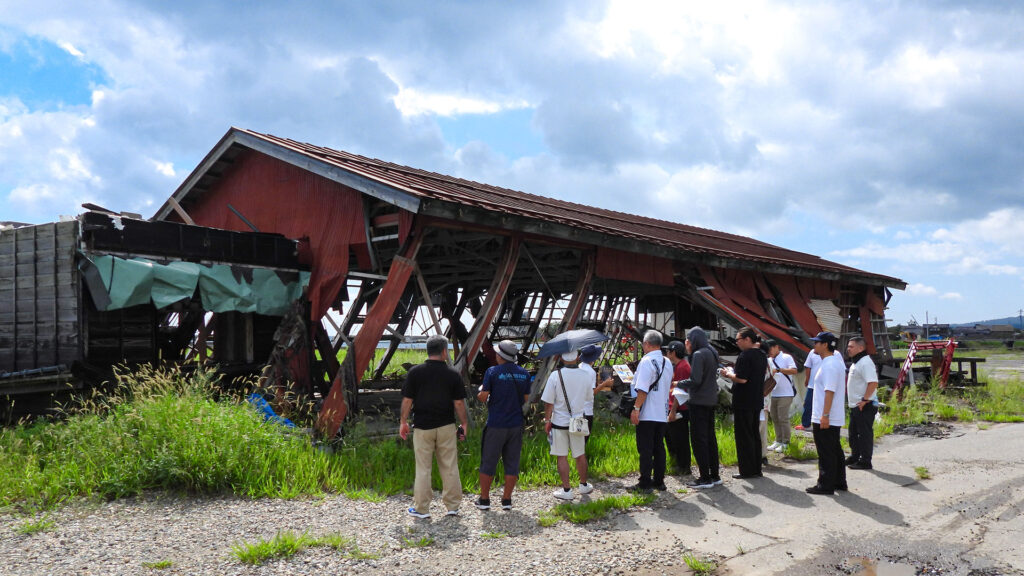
(678, 347)
(824, 337)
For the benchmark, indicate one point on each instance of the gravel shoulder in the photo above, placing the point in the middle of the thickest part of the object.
(966, 519)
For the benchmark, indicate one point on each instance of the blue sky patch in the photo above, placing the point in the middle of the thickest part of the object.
(42, 75)
(509, 132)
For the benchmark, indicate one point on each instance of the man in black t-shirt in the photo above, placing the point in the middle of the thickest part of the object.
(747, 402)
(437, 394)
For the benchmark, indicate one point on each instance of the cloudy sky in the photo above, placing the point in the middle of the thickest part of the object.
(883, 135)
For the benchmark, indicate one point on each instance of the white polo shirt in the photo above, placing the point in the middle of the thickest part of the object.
(812, 363)
(862, 372)
(578, 388)
(831, 376)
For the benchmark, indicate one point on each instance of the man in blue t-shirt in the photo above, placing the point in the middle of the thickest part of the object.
(505, 389)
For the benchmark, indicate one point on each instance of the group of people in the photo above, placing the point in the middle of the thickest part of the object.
(762, 388)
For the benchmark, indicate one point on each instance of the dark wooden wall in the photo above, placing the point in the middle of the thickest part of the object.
(40, 311)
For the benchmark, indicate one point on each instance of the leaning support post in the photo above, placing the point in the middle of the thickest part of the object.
(365, 342)
(495, 296)
(572, 315)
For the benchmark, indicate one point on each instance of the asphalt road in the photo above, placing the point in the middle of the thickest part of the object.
(967, 518)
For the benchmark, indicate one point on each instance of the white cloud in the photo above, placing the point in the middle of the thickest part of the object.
(70, 49)
(412, 102)
(952, 296)
(165, 168)
(921, 290)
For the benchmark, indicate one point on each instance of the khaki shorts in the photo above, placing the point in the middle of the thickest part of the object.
(562, 442)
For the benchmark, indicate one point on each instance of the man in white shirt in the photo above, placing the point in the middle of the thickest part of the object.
(783, 369)
(828, 416)
(811, 364)
(565, 393)
(862, 395)
(653, 382)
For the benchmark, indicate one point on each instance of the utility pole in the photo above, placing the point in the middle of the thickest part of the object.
(1020, 319)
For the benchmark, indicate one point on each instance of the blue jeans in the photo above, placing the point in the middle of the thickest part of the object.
(805, 418)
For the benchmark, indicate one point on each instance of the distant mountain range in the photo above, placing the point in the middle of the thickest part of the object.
(1011, 320)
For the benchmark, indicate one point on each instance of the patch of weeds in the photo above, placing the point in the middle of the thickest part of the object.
(740, 550)
(493, 535)
(356, 554)
(422, 542)
(922, 473)
(983, 426)
(596, 509)
(682, 491)
(41, 524)
(547, 518)
(365, 494)
(801, 449)
(285, 544)
(698, 566)
(158, 565)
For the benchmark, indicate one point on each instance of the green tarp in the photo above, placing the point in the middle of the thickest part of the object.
(131, 282)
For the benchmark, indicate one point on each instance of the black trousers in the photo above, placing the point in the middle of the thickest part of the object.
(650, 444)
(705, 443)
(748, 441)
(831, 465)
(677, 439)
(862, 434)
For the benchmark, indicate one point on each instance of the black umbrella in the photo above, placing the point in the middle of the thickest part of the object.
(570, 340)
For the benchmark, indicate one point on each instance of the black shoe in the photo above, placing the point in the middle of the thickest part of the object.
(842, 487)
(700, 483)
(819, 490)
(641, 488)
(764, 461)
(660, 487)
(747, 476)
(716, 480)
(483, 503)
(859, 466)
(506, 503)
(852, 460)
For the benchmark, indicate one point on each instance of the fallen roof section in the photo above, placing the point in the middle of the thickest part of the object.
(433, 194)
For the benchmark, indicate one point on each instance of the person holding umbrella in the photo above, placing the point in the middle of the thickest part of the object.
(565, 393)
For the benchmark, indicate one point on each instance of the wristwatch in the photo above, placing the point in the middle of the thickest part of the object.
(636, 408)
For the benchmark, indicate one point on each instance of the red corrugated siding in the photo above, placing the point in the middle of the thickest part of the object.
(278, 197)
(630, 266)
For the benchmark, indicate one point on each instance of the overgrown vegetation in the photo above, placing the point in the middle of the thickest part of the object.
(588, 511)
(286, 544)
(164, 430)
(158, 565)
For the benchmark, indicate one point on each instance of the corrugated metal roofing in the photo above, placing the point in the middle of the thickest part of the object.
(430, 185)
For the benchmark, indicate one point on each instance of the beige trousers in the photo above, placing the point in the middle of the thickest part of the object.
(778, 411)
(442, 442)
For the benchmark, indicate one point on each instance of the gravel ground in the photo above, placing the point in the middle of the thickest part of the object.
(196, 535)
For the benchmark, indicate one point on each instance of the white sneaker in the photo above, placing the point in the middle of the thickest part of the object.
(586, 488)
(773, 445)
(563, 494)
(452, 513)
(781, 448)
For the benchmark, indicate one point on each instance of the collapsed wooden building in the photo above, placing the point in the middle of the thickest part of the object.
(388, 245)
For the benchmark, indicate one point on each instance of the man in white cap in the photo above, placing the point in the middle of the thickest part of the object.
(505, 389)
(567, 390)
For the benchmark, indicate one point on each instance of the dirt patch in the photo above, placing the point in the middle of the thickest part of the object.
(935, 430)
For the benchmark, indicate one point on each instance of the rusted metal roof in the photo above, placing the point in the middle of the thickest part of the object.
(427, 185)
